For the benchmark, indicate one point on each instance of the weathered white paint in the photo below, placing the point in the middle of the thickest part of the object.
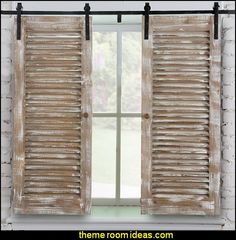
(48, 129)
(177, 133)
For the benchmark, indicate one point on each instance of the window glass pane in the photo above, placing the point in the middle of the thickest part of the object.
(104, 71)
(131, 158)
(103, 157)
(131, 72)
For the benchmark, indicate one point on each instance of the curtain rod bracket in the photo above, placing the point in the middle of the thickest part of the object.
(147, 9)
(18, 28)
(216, 19)
(87, 12)
(119, 16)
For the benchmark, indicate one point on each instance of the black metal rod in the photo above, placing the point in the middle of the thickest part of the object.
(87, 12)
(216, 19)
(18, 28)
(147, 9)
(12, 12)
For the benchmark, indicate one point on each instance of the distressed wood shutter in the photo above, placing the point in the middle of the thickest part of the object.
(52, 117)
(181, 117)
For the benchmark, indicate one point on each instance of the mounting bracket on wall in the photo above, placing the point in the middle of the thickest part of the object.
(146, 13)
(18, 28)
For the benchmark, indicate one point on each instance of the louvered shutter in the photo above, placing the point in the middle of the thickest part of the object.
(52, 117)
(181, 117)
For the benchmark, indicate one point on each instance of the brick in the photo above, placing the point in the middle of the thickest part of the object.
(228, 225)
(6, 170)
(6, 22)
(228, 142)
(229, 47)
(6, 5)
(228, 166)
(228, 91)
(228, 180)
(6, 159)
(228, 62)
(6, 104)
(6, 69)
(228, 117)
(6, 182)
(6, 43)
(228, 202)
(6, 65)
(229, 5)
(6, 155)
(228, 77)
(228, 103)
(229, 154)
(229, 34)
(230, 214)
(227, 192)
(6, 116)
(6, 140)
(228, 129)
(6, 126)
(5, 213)
(228, 22)
(6, 89)
(6, 192)
(6, 227)
(6, 51)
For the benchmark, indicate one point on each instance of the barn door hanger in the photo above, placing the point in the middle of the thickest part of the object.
(147, 9)
(18, 28)
(87, 28)
(216, 19)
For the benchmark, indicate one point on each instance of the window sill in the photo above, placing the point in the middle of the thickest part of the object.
(103, 217)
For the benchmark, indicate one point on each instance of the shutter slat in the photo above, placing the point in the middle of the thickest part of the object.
(51, 150)
(71, 139)
(51, 161)
(45, 179)
(58, 155)
(68, 173)
(180, 162)
(180, 156)
(181, 179)
(50, 167)
(63, 184)
(29, 190)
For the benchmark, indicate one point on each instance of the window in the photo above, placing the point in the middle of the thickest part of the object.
(116, 147)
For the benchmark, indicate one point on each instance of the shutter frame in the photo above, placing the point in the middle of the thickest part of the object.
(195, 205)
(58, 204)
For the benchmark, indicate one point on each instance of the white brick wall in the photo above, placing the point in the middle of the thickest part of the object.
(6, 118)
(228, 116)
(228, 119)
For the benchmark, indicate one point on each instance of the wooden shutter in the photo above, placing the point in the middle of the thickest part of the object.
(52, 117)
(181, 117)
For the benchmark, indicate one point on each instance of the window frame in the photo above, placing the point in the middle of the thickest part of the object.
(118, 115)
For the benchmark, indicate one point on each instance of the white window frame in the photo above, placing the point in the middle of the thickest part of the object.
(118, 115)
